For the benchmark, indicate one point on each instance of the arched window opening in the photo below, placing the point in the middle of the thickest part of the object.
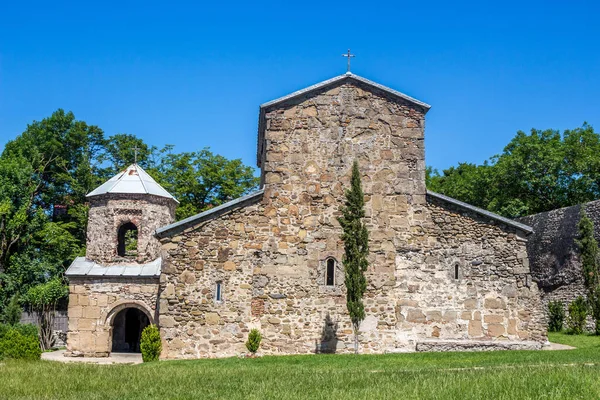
(127, 240)
(456, 271)
(330, 272)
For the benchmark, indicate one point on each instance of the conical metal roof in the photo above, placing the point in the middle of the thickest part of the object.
(134, 180)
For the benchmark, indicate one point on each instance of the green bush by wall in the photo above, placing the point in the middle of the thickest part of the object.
(150, 345)
(20, 342)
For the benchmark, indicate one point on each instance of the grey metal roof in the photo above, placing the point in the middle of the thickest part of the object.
(346, 76)
(481, 211)
(206, 215)
(84, 267)
(134, 180)
(320, 85)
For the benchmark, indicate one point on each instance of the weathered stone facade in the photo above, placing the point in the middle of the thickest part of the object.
(553, 253)
(269, 253)
(108, 212)
(105, 285)
(94, 303)
(442, 275)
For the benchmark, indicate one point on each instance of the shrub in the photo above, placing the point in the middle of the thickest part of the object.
(12, 312)
(20, 342)
(578, 311)
(253, 343)
(594, 300)
(556, 316)
(42, 299)
(150, 345)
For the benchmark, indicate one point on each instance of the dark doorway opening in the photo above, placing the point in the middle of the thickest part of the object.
(127, 330)
(127, 240)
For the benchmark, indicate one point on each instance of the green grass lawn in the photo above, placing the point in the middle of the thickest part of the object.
(566, 374)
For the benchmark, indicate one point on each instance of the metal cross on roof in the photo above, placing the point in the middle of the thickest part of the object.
(135, 153)
(349, 56)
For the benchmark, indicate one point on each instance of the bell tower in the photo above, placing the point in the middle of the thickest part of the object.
(124, 213)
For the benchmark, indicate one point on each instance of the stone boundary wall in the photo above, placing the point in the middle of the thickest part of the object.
(553, 253)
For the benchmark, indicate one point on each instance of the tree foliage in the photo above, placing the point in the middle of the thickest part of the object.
(556, 316)
(536, 172)
(46, 171)
(42, 300)
(201, 180)
(11, 315)
(578, 312)
(356, 249)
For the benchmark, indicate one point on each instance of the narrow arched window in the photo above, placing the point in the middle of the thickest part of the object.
(219, 291)
(330, 272)
(456, 271)
(127, 237)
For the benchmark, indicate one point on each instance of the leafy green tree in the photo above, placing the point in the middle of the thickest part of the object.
(578, 311)
(122, 149)
(11, 315)
(47, 170)
(201, 180)
(43, 299)
(467, 182)
(356, 246)
(582, 164)
(536, 172)
(17, 195)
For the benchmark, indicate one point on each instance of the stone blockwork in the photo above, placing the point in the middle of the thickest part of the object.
(93, 303)
(493, 296)
(553, 253)
(270, 256)
(108, 212)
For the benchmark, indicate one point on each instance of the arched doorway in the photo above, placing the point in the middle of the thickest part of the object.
(128, 325)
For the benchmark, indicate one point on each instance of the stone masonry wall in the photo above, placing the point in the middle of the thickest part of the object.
(94, 302)
(553, 252)
(494, 296)
(108, 212)
(270, 256)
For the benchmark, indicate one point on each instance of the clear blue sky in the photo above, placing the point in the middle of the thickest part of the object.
(193, 74)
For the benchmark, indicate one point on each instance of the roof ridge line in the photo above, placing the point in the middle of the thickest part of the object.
(140, 178)
(197, 218)
(481, 211)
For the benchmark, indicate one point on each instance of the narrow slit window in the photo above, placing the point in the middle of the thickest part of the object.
(218, 292)
(456, 271)
(330, 272)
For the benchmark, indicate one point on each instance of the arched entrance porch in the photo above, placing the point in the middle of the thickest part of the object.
(127, 321)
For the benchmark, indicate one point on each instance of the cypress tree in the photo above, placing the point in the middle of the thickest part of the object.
(588, 251)
(356, 247)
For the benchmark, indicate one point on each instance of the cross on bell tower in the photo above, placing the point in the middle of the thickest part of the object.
(349, 56)
(135, 154)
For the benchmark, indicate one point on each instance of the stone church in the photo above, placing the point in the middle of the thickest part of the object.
(443, 275)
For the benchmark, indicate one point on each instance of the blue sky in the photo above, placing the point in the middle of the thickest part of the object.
(193, 75)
